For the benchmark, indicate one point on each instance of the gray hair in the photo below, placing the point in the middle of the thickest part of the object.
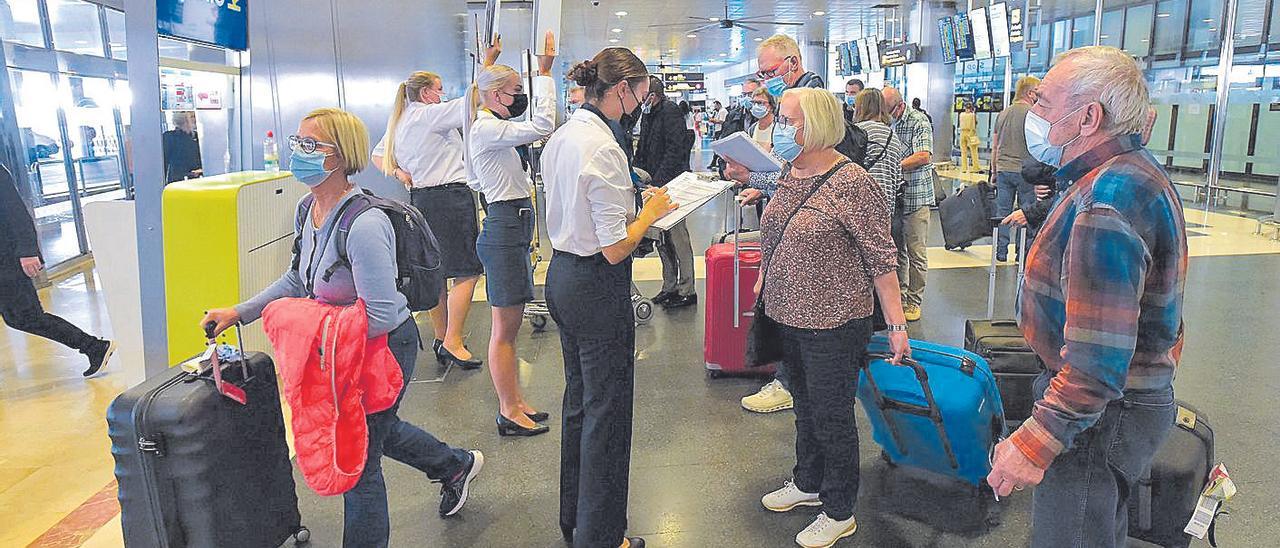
(1111, 77)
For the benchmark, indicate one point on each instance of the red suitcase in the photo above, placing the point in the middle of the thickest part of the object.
(732, 269)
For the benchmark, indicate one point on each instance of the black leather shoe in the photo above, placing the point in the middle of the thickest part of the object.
(540, 416)
(445, 358)
(636, 542)
(681, 302)
(663, 297)
(507, 427)
(435, 347)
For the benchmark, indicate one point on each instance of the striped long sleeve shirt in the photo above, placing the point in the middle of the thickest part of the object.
(1102, 301)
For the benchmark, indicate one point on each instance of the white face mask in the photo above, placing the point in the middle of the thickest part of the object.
(1036, 131)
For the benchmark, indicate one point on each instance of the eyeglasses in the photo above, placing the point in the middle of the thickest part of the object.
(307, 144)
(770, 73)
(787, 121)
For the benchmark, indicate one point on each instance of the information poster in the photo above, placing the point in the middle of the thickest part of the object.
(947, 39)
(981, 34)
(999, 30)
(964, 36)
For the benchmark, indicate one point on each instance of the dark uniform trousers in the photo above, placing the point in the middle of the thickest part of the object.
(20, 307)
(590, 300)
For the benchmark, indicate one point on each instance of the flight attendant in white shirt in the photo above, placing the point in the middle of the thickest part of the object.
(593, 226)
(423, 149)
(498, 96)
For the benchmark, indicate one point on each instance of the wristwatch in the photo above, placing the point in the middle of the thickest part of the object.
(898, 328)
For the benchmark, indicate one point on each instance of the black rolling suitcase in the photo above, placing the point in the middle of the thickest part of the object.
(1166, 496)
(1001, 343)
(966, 217)
(197, 469)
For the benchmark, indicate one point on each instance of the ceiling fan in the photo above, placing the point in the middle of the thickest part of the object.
(726, 22)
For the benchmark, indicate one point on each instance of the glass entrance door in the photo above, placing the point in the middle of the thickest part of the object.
(36, 105)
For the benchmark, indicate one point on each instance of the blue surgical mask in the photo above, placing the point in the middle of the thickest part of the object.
(776, 86)
(849, 99)
(1037, 135)
(759, 111)
(308, 168)
(784, 142)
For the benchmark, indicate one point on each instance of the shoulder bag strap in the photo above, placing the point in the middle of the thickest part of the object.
(783, 232)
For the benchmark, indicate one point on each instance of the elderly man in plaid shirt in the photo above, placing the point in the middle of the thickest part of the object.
(1101, 305)
(915, 131)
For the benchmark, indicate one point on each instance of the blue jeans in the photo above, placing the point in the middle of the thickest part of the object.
(1008, 186)
(1083, 501)
(823, 367)
(366, 520)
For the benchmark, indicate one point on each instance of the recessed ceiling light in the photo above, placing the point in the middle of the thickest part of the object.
(621, 14)
(1213, 29)
(819, 13)
(724, 54)
(613, 40)
(759, 39)
(1105, 36)
(690, 36)
(714, 19)
(615, 30)
(1162, 15)
(1208, 20)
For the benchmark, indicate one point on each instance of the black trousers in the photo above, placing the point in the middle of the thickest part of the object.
(590, 300)
(822, 365)
(20, 307)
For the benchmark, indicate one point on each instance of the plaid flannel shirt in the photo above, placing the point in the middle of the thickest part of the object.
(916, 132)
(1102, 300)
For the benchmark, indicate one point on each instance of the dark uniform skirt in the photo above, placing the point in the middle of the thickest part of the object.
(503, 247)
(450, 211)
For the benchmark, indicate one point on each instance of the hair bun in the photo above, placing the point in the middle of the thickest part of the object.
(585, 73)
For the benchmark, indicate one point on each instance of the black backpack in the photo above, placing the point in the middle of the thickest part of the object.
(854, 145)
(418, 257)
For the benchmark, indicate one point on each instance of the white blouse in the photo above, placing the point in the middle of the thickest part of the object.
(590, 198)
(494, 165)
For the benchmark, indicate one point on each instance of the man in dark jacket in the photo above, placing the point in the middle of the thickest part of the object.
(181, 148)
(19, 263)
(664, 154)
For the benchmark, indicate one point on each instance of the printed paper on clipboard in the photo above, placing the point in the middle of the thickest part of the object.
(746, 151)
(546, 17)
(689, 192)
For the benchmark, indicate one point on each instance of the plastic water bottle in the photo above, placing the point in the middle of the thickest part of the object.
(270, 156)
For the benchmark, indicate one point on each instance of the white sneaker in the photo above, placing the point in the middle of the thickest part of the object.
(789, 497)
(825, 532)
(771, 397)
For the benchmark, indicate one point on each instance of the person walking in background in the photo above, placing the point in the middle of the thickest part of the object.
(1102, 306)
(181, 148)
(916, 133)
(20, 262)
(594, 230)
(826, 250)
(423, 149)
(332, 145)
(664, 154)
(915, 104)
(1009, 153)
(498, 96)
(851, 90)
(969, 140)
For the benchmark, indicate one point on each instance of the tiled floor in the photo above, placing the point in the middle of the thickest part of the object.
(699, 461)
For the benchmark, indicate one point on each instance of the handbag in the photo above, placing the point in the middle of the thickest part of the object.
(764, 338)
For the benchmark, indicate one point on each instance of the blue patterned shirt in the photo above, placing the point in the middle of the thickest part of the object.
(916, 132)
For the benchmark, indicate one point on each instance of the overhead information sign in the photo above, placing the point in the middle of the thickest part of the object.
(999, 30)
(901, 54)
(947, 39)
(223, 23)
(981, 36)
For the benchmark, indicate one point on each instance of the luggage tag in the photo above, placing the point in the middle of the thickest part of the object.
(235, 393)
(1218, 490)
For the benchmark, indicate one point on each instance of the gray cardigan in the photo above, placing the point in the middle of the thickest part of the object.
(371, 246)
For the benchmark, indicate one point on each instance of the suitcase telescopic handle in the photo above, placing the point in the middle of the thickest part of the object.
(737, 259)
(209, 327)
(931, 411)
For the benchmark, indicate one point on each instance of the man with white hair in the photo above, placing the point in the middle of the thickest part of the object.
(915, 131)
(1101, 305)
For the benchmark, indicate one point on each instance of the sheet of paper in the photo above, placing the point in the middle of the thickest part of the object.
(746, 151)
(689, 192)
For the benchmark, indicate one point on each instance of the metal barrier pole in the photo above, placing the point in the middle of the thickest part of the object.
(1225, 59)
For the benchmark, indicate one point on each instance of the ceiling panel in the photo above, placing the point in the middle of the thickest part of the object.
(588, 28)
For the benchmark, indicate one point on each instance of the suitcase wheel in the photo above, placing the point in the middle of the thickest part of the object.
(303, 536)
(643, 310)
(714, 373)
(538, 322)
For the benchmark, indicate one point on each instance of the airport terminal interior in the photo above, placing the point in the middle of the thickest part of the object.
(149, 140)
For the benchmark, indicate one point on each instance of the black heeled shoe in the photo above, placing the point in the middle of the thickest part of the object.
(435, 348)
(540, 416)
(508, 427)
(445, 358)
